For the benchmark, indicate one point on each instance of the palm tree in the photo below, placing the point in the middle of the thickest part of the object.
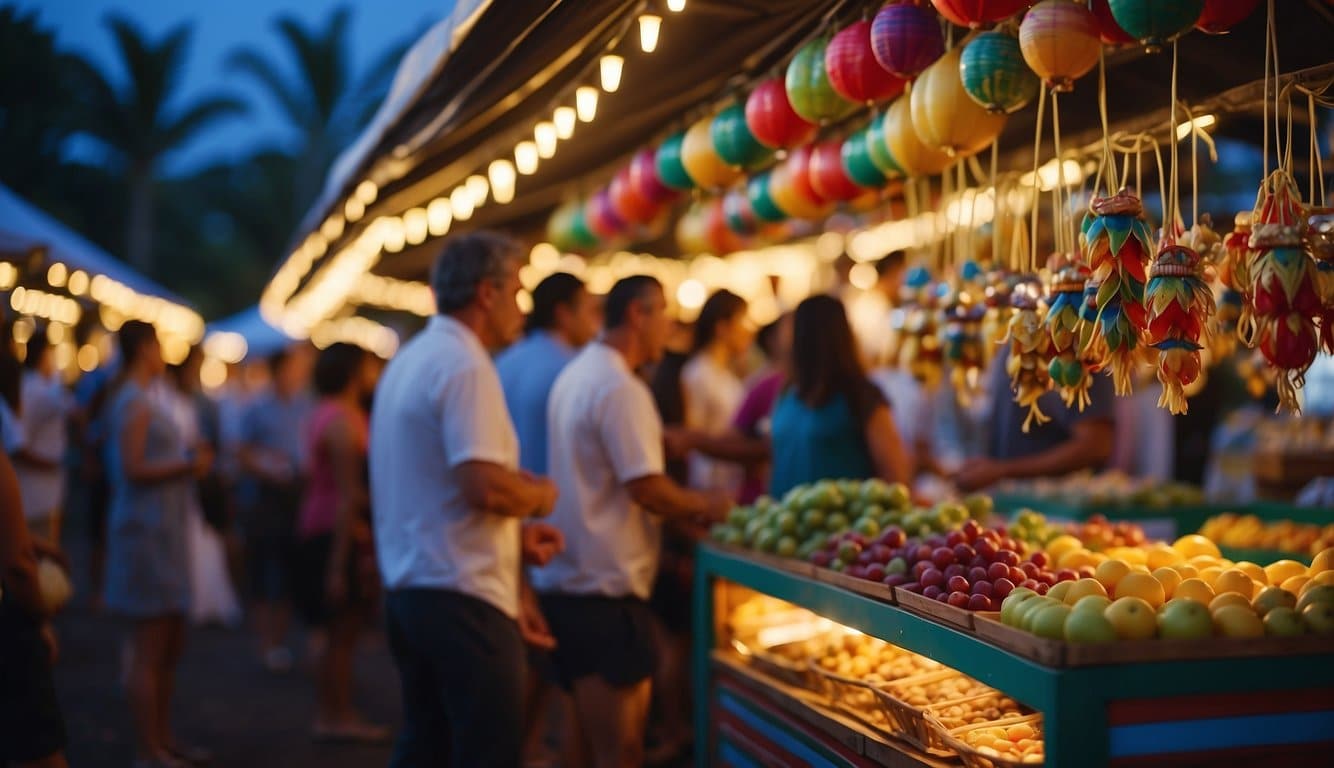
(325, 102)
(138, 124)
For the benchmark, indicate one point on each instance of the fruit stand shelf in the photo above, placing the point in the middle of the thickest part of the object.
(1181, 710)
(1184, 518)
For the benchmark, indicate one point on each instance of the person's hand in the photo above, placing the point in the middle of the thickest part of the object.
(51, 641)
(718, 506)
(676, 441)
(979, 473)
(532, 624)
(541, 542)
(549, 495)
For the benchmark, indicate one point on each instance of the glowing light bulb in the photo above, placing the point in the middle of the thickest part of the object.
(611, 67)
(439, 216)
(415, 225)
(586, 102)
(478, 188)
(502, 180)
(649, 27)
(460, 203)
(544, 135)
(525, 157)
(564, 120)
(367, 192)
(676, 6)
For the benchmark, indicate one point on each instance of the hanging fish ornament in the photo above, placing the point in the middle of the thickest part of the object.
(1030, 347)
(1071, 377)
(1180, 305)
(1118, 242)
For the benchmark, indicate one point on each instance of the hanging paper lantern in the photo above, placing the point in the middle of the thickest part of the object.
(976, 13)
(913, 156)
(761, 202)
(791, 190)
(1180, 304)
(1155, 23)
(1060, 42)
(671, 170)
(994, 74)
(701, 160)
(734, 142)
(602, 218)
(644, 178)
(720, 237)
(945, 116)
(1067, 369)
(738, 214)
(906, 39)
(853, 70)
(772, 120)
(808, 87)
(560, 227)
(828, 178)
(1110, 32)
(626, 201)
(1221, 15)
(857, 163)
(691, 232)
(877, 148)
(1118, 242)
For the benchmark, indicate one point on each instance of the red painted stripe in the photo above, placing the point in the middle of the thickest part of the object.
(1132, 711)
(753, 744)
(1283, 756)
(792, 725)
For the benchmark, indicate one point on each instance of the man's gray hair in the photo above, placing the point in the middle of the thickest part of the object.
(468, 260)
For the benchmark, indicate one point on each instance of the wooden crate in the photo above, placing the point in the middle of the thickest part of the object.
(872, 589)
(934, 609)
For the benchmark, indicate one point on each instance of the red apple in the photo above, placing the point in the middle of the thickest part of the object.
(932, 592)
(983, 588)
(923, 552)
(1001, 588)
(986, 549)
(958, 599)
(957, 584)
(1046, 577)
(874, 572)
(1007, 556)
(963, 553)
(1017, 574)
(932, 578)
(1029, 584)
(921, 568)
(998, 571)
(857, 571)
(1030, 569)
(972, 530)
(977, 574)
(1085, 571)
(893, 537)
(954, 570)
(822, 559)
(942, 557)
(979, 603)
(1039, 559)
(943, 597)
(895, 580)
(1041, 588)
(912, 586)
(954, 538)
(1066, 574)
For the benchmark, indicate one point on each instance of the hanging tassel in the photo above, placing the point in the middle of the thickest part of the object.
(1117, 241)
(1067, 369)
(1030, 348)
(1179, 305)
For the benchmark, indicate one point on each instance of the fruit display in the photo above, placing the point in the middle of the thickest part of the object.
(1095, 534)
(1250, 532)
(1018, 742)
(974, 710)
(1109, 489)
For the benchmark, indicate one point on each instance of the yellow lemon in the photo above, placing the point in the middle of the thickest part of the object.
(1059, 589)
(1194, 544)
(1169, 579)
(1062, 544)
(1238, 621)
(1110, 572)
(1254, 571)
(1186, 570)
(1228, 598)
(1139, 568)
(1234, 580)
(1194, 589)
(1323, 561)
(1083, 588)
(1133, 618)
(1282, 570)
(1143, 586)
(1076, 559)
(1324, 577)
(1296, 584)
(1204, 561)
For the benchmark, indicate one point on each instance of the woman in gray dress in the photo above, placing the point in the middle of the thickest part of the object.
(151, 472)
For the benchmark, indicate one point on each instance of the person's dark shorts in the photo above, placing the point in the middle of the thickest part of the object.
(611, 637)
(310, 583)
(269, 525)
(31, 725)
(673, 588)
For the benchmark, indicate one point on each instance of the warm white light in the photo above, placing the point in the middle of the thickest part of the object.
(691, 294)
(226, 346)
(586, 102)
(1199, 123)
(544, 135)
(564, 120)
(57, 275)
(78, 282)
(676, 6)
(439, 217)
(9, 274)
(391, 230)
(477, 187)
(55, 333)
(525, 301)
(525, 157)
(862, 276)
(88, 358)
(649, 26)
(353, 210)
(611, 67)
(460, 203)
(544, 257)
(367, 192)
(502, 176)
(414, 225)
(332, 228)
(212, 373)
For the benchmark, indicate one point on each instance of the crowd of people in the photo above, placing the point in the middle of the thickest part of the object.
(515, 498)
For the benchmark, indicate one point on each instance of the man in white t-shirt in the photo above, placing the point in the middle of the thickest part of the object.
(605, 452)
(448, 501)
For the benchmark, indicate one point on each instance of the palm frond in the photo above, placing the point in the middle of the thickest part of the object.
(180, 129)
(290, 97)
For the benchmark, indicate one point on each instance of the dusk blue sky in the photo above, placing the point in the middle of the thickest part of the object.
(219, 27)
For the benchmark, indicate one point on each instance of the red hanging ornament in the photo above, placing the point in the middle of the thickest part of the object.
(976, 13)
(1110, 32)
(773, 121)
(1219, 16)
(1180, 304)
(853, 71)
(626, 201)
(644, 178)
(827, 176)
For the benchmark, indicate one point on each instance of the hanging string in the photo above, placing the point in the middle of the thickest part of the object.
(1125, 171)
(1170, 188)
(1037, 185)
(946, 255)
(995, 204)
(1269, 42)
(1194, 169)
(1110, 161)
(1317, 161)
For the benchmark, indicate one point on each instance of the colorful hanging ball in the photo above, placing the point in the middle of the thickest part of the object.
(701, 160)
(762, 204)
(1110, 32)
(877, 148)
(602, 218)
(560, 226)
(994, 74)
(671, 171)
(976, 13)
(1060, 42)
(945, 116)
(772, 120)
(853, 70)
(738, 214)
(691, 233)
(1155, 23)
(734, 142)
(855, 156)
(644, 178)
(828, 178)
(808, 87)
(906, 38)
(790, 186)
(717, 233)
(1221, 15)
(914, 157)
(581, 231)
(626, 201)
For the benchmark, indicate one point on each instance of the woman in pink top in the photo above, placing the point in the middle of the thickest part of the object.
(336, 583)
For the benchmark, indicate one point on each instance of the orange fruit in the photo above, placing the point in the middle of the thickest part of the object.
(1238, 621)
(1256, 573)
(1204, 561)
(1324, 577)
(1323, 561)
(1076, 559)
(1133, 618)
(1143, 586)
(1061, 545)
(1194, 589)
(1161, 554)
(1210, 575)
(1186, 570)
(1110, 572)
(1083, 588)
(1282, 570)
(1194, 544)
(1296, 584)
(1228, 598)
(1235, 580)
(1169, 579)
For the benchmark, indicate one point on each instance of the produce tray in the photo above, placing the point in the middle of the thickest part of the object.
(853, 698)
(935, 712)
(788, 564)
(1262, 556)
(934, 609)
(909, 722)
(797, 674)
(1055, 653)
(972, 758)
(872, 589)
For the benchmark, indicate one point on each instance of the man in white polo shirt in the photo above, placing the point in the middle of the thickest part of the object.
(448, 503)
(606, 455)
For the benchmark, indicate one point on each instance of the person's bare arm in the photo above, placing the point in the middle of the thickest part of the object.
(18, 558)
(731, 445)
(28, 458)
(660, 495)
(491, 488)
(892, 462)
(1090, 445)
(137, 467)
(339, 442)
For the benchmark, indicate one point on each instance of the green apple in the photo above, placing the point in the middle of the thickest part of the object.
(1184, 619)
(1088, 626)
(739, 516)
(1319, 618)
(1092, 603)
(867, 527)
(1271, 598)
(1027, 611)
(787, 522)
(766, 540)
(1012, 601)
(979, 506)
(1049, 622)
(1321, 593)
(837, 523)
(1282, 621)
(815, 518)
(897, 565)
(896, 496)
(787, 546)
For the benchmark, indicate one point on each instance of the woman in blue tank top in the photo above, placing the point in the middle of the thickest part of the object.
(831, 422)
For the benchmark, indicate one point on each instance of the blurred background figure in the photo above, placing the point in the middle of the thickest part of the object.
(40, 462)
(711, 385)
(151, 468)
(335, 582)
(272, 460)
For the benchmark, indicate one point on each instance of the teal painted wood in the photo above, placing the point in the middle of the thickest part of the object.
(703, 643)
